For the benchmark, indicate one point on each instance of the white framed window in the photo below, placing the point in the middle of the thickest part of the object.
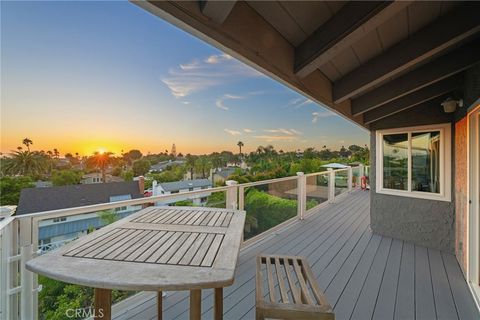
(415, 162)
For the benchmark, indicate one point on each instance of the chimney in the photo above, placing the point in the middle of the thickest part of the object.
(141, 184)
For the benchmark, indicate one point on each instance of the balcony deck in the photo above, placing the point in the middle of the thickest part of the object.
(365, 276)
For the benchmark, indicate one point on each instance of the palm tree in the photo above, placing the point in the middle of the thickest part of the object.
(56, 153)
(27, 142)
(240, 145)
(190, 162)
(102, 160)
(203, 164)
(26, 163)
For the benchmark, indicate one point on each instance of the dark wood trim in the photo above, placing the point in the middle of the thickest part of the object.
(218, 11)
(413, 99)
(311, 53)
(444, 32)
(439, 69)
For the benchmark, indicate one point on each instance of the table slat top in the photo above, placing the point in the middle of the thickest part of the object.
(157, 248)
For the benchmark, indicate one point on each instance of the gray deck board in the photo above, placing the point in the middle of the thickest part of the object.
(405, 300)
(385, 305)
(424, 301)
(364, 276)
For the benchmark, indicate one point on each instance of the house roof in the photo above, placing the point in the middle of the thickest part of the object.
(164, 164)
(53, 198)
(226, 172)
(335, 165)
(185, 184)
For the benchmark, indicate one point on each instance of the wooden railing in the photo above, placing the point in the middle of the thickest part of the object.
(19, 235)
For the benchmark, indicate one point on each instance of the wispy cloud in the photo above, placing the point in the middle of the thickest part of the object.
(220, 103)
(199, 75)
(318, 115)
(283, 131)
(247, 130)
(233, 132)
(299, 102)
(279, 135)
(273, 138)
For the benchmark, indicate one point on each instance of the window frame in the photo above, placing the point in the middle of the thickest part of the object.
(445, 163)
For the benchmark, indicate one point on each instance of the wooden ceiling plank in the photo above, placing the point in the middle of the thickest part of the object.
(441, 68)
(450, 29)
(350, 24)
(218, 11)
(413, 99)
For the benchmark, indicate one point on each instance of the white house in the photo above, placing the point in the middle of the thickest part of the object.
(181, 187)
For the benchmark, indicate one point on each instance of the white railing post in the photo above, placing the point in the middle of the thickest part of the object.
(331, 185)
(241, 197)
(350, 178)
(231, 194)
(301, 195)
(6, 238)
(26, 282)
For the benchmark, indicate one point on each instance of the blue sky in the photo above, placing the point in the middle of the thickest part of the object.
(79, 76)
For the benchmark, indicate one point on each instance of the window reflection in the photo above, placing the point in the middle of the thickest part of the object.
(426, 161)
(395, 161)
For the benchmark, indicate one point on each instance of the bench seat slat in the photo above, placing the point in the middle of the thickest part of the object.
(270, 277)
(281, 281)
(300, 281)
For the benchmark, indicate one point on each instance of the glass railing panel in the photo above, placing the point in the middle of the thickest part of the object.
(317, 190)
(355, 177)
(207, 198)
(341, 182)
(268, 205)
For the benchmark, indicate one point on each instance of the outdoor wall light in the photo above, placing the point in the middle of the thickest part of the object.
(450, 105)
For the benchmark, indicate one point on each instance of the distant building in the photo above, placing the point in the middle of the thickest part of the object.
(96, 177)
(181, 187)
(174, 150)
(220, 175)
(62, 229)
(163, 165)
(43, 184)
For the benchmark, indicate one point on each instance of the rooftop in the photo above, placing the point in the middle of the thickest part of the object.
(364, 276)
(62, 197)
(185, 184)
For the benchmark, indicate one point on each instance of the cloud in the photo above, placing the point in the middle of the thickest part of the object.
(299, 102)
(218, 58)
(220, 103)
(284, 131)
(199, 75)
(273, 138)
(246, 130)
(233, 132)
(280, 135)
(318, 115)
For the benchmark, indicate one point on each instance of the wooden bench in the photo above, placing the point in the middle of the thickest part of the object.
(293, 292)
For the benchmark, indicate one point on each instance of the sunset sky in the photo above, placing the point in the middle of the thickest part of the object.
(84, 76)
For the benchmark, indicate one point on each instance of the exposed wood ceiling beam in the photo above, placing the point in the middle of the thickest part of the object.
(441, 68)
(347, 26)
(413, 99)
(218, 11)
(444, 32)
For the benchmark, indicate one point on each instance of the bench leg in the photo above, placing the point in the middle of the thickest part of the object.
(195, 304)
(258, 315)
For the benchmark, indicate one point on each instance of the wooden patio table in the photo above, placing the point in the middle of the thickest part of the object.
(156, 249)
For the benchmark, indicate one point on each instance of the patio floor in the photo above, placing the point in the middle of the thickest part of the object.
(364, 276)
